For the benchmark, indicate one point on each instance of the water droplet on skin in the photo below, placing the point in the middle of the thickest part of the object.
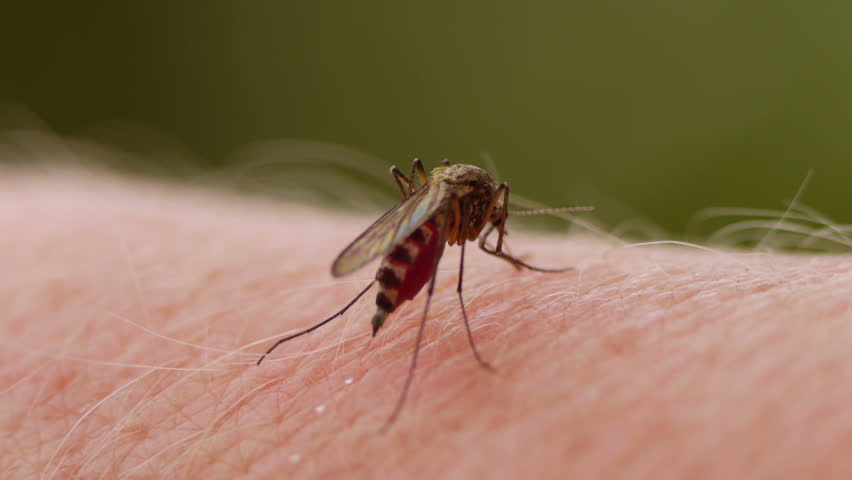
(319, 408)
(295, 458)
(348, 381)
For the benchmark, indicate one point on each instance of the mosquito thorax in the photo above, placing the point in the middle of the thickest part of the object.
(465, 175)
(473, 191)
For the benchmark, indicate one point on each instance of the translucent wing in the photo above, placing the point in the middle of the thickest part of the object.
(390, 229)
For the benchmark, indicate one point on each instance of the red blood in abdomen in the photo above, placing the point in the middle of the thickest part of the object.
(420, 270)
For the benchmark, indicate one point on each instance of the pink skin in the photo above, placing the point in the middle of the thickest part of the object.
(647, 363)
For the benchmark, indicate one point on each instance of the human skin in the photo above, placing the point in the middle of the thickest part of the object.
(133, 314)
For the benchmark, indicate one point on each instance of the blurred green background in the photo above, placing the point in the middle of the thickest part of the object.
(650, 110)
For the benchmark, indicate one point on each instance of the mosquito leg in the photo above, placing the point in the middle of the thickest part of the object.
(402, 181)
(501, 228)
(493, 204)
(476, 355)
(516, 262)
(417, 171)
(484, 247)
(404, 395)
(453, 235)
(311, 329)
(484, 237)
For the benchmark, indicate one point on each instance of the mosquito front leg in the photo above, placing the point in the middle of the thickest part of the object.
(500, 225)
(516, 262)
(504, 214)
(502, 191)
(483, 245)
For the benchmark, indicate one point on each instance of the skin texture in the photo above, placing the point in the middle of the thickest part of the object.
(133, 314)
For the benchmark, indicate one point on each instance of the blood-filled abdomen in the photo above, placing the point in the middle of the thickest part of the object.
(405, 271)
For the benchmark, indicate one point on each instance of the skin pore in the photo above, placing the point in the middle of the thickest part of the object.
(134, 313)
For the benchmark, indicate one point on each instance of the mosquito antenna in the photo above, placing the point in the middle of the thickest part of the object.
(551, 211)
(311, 329)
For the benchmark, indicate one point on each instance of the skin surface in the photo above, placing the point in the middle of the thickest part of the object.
(132, 315)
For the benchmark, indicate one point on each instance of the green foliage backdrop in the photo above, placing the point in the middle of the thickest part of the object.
(651, 109)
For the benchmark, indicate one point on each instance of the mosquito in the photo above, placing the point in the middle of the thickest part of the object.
(455, 204)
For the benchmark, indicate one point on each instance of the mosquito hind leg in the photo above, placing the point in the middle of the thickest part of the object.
(407, 185)
(418, 172)
(402, 182)
(311, 329)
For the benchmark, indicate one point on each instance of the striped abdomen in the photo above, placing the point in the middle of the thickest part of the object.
(405, 270)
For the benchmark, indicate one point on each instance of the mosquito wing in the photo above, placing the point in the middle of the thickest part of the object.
(390, 229)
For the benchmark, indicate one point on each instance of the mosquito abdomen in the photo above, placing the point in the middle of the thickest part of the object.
(405, 270)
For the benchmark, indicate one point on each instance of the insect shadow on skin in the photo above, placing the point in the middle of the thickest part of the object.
(455, 204)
